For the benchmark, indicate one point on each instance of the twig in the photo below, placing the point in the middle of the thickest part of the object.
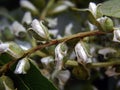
(5, 67)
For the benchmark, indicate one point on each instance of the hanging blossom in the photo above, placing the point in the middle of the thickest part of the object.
(116, 37)
(27, 18)
(47, 60)
(40, 29)
(93, 8)
(81, 53)
(27, 4)
(63, 76)
(4, 47)
(60, 52)
(22, 67)
(17, 28)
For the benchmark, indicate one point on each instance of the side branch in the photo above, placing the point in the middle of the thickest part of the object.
(5, 67)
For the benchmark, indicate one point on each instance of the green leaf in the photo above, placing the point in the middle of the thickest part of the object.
(110, 8)
(33, 80)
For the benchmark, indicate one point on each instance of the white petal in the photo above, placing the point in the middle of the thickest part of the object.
(80, 53)
(28, 4)
(37, 28)
(116, 36)
(17, 28)
(4, 47)
(47, 60)
(27, 18)
(68, 29)
(93, 8)
(22, 67)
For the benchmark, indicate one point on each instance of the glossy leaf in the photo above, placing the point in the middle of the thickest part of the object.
(110, 8)
(33, 80)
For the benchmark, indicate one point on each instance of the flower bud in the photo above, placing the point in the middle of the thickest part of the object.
(4, 47)
(116, 36)
(105, 51)
(7, 83)
(62, 6)
(93, 8)
(60, 52)
(63, 77)
(39, 31)
(22, 67)
(18, 29)
(27, 18)
(81, 53)
(47, 60)
(28, 5)
(52, 22)
(14, 50)
(106, 23)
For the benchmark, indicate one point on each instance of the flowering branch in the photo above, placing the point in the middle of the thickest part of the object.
(5, 67)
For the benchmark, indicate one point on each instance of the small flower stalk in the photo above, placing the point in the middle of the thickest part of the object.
(39, 31)
(22, 67)
(116, 37)
(82, 54)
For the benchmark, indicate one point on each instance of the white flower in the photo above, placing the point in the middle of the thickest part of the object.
(59, 52)
(68, 29)
(54, 32)
(52, 22)
(47, 60)
(93, 8)
(63, 6)
(105, 51)
(63, 77)
(22, 66)
(4, 47)
(40, 29)
(116, 36)
(17, 28)
(81, 53)
(27, 18)
(27, 4)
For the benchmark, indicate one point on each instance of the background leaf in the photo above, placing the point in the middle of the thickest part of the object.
(111, 8)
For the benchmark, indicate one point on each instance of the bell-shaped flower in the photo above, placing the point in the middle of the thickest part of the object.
(60, 53)
(116, 37)
(93, 8)
(105, 51)
(40, 31)
(63, 77)
(28, 5)
(22, 67)
(106, 23)
(18, 29)
(27, 18)
(47, 60)
(62, 6)
(4, 47)
(81, 53)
